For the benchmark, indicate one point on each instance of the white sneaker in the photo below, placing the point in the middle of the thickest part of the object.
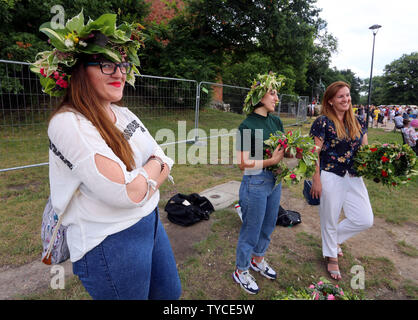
(238, 208)
(264, 269)
(246, 281)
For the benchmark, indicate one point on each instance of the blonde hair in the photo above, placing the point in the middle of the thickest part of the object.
(351, 128)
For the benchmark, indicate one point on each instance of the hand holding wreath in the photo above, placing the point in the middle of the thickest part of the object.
(294, 144)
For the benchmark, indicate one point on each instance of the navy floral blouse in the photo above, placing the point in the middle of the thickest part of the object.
(336, 155)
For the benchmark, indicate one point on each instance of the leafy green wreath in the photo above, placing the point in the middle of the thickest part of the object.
(297, 145)
(75, 39)
(390, 164)
(261, 85)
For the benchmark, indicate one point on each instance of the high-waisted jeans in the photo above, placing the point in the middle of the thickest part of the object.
(135, 263)
(259, 201)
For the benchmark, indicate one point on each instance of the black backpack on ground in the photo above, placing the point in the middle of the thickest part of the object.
(288, 218)
(186, 210)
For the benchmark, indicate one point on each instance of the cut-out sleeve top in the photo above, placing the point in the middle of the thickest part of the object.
(95, 206)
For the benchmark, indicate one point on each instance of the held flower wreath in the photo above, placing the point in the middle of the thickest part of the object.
(390, 164)
(295, 144)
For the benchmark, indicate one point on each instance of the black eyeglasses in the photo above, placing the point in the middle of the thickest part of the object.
(109, 68)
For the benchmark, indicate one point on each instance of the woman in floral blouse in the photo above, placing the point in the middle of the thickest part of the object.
(339, 133)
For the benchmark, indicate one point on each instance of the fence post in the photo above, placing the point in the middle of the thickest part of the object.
(280, 104)
(196, 113)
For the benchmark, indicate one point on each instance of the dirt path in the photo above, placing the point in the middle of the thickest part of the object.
(379, 241)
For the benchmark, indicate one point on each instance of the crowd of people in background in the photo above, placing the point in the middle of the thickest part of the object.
(384, 114)
(399, 115)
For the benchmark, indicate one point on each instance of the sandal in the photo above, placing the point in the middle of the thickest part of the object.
(335, 274)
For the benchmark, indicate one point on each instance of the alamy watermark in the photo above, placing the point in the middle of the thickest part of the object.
(358, 281)
(57, 21)
(58, 277)
(218, 148)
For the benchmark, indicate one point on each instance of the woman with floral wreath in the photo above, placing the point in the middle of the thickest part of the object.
(338, 135)
(105, 167)
(258, 197)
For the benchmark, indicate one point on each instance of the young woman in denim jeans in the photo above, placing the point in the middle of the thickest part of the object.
(105, 167)
(258, 197)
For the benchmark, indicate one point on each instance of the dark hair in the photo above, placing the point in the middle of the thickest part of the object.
(258, 105)
(406, 122)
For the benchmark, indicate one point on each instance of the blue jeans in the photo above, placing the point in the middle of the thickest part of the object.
(135, 263)
(259, 202)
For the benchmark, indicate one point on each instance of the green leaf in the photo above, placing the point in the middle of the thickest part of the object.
(132, 55)
(254, 100)
(56, 36)
(76, 23)
(106, 24)
(94, 48)
(205, 90)
(48, 84)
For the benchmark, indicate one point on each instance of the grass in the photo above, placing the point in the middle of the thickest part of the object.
(23, 194)
(297, 258)
(407, 249)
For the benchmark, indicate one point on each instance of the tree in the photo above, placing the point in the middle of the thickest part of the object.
(401, 80)
(324, 45)
(35, 12)
(222, 33)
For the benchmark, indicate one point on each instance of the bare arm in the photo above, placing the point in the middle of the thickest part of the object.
(138, 187)
(365, 140)
(316, 189)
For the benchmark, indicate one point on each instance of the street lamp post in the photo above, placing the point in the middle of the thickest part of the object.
(374, 28)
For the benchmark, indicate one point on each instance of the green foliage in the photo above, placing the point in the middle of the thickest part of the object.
(20, 46)
(398, 84)
(262, 84)
(390, 164)
(401, 80)
(176, 50)
(324, 45)
(36, 12)
(322, 290)
(241, 73)
(21, 40)
(332, 75)
(226, 37)
(298, 145)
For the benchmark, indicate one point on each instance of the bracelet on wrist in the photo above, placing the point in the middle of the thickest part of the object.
(159, 161)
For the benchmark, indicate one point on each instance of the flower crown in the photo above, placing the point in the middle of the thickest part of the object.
(98, 38)
(260, 87)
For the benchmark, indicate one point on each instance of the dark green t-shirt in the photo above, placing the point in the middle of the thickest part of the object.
(254, 130)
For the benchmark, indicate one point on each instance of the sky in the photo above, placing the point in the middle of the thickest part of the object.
(349, 22)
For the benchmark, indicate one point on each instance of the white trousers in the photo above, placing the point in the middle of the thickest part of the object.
(348, 193)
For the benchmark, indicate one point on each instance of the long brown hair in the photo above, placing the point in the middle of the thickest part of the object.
(350, 121)
(82, 97)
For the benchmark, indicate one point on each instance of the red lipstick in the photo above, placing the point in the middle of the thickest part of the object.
(115, 84)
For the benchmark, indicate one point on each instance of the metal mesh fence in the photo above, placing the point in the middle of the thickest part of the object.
(25, 110)
(160, 97)
(302, 108)
(220, 97)
(160, 102)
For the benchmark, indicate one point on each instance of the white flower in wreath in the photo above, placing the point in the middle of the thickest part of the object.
(82, 43)
(69, 43)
